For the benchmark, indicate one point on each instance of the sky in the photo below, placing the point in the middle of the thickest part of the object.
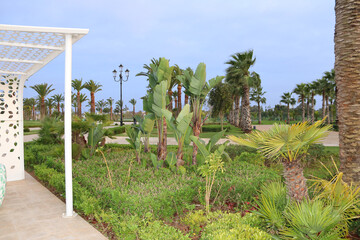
(292, 40)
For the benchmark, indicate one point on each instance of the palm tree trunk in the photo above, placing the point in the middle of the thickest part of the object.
(170, 106)
(347, 78)
(308, 109)
(312, 108)
(295, 180)
(323, 105)
(33, 112)
(92, 95)
(327, 109)
(245, 122)
(80, 111)
(78, 104)
(221, 120)
(288, 113)
(42, 108)
(237, 111)
(111, 113)
(259, 113)
(186, 99)
(303, 109)
(176, 102)
(179, 97)
(133, 110)
(49, 111)
(180, 155)
(147, 143)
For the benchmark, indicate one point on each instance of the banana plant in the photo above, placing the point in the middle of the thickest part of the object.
(157, 99)
(207, 149)
(146, 125)
(197, 88)
(182, 130)
(95, 136)
(134, 139)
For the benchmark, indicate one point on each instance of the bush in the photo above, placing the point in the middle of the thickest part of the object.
(235, 150)
(115, 130)
(214, 128)
(233, 227)
(26, 129)
(157, 230)
(35, 154)
(51, 131)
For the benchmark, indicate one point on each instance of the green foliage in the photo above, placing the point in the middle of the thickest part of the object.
(156, 163)
(157, 230)
(35, 154)
(51, 131)
(116, 130)
(253, 158)
(134, 139)
(95, 136)
(195, 220)
(234, 227)
(101, 118)
(235, 150)
(26, 129)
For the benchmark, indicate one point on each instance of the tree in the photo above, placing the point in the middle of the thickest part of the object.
(330, 90)
(301, 91)
(50, 104)
(347, 78)
(110, 103)
(93, 88)
(220, 101)
(238, 74)
(58, 98)
(100, 105)
(78, 86)
(197, 89)
(83, 98)
(43, 90)
(257, 95)
(289, 144)
(32, 104)
(133, 102)
(287, 99)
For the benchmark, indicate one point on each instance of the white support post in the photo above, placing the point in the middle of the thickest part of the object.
(67, 122)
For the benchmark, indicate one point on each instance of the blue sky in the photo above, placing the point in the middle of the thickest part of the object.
(292, 40)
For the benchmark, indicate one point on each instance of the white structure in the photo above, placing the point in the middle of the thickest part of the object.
(25, 50)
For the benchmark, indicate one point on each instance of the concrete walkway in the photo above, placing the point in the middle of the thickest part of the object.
(30, 212)
(332, 140)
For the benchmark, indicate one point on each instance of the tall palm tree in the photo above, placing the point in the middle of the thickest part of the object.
(301, 91)
(43, 90)
(32, 103)
(27, 108)
(110, 102)
(93, 88)
(347, 78)
(83, 98)
(287, 99)
(78, 86)
(257, 95)
(177, 71)
(175, 99)
(314, 89)
(238, 74)
(330, 90)
(58, 98)
(100, 105)
(133, 102)
(50, 104)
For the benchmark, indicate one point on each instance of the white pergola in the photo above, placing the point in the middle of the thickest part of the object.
(24, 50)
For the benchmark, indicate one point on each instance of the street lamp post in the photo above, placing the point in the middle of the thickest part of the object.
(121, 80)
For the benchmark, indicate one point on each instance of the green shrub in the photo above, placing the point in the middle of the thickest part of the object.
(35, 154)
(235, 150)
(26, 129)
(195, 220)
(253, 158)
(157, 230)
(234, 227)
(51, 131)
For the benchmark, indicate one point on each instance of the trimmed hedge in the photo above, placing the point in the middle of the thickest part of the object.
(214, 128)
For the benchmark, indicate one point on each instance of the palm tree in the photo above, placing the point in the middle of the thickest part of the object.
(58, 98)
(176, 72)
(133, 102)
(50, 104)
(330, 90)
(257, 95)
(83, 98)
(32, 103)
(100, 105)
(289, 144)
(78, 86)
(238, 74)
(93, 88)
(119, 105)
(287, 99)
(110, 102)
(301, 91)
(175, 98)
(43, 90)
(348, 84)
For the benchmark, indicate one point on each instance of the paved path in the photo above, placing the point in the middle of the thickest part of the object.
(331, 140)
(30, 212)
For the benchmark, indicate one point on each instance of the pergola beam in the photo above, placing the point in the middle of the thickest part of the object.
(20, 60)
(27, 45)
(9, 72)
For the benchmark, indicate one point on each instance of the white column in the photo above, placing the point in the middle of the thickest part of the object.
(67, 122)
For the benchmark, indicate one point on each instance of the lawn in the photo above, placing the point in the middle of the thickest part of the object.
(31, 124)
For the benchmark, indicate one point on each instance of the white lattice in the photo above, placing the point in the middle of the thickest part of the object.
(10, 147)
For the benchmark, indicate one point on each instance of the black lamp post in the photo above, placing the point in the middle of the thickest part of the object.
(121, 80)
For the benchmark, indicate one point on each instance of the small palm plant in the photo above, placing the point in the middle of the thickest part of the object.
(289, 144)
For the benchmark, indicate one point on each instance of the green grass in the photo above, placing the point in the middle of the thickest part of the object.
(30, 123)
(271, 122)
(32, 132)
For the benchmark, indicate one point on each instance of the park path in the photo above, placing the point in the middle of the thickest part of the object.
(332, 140)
